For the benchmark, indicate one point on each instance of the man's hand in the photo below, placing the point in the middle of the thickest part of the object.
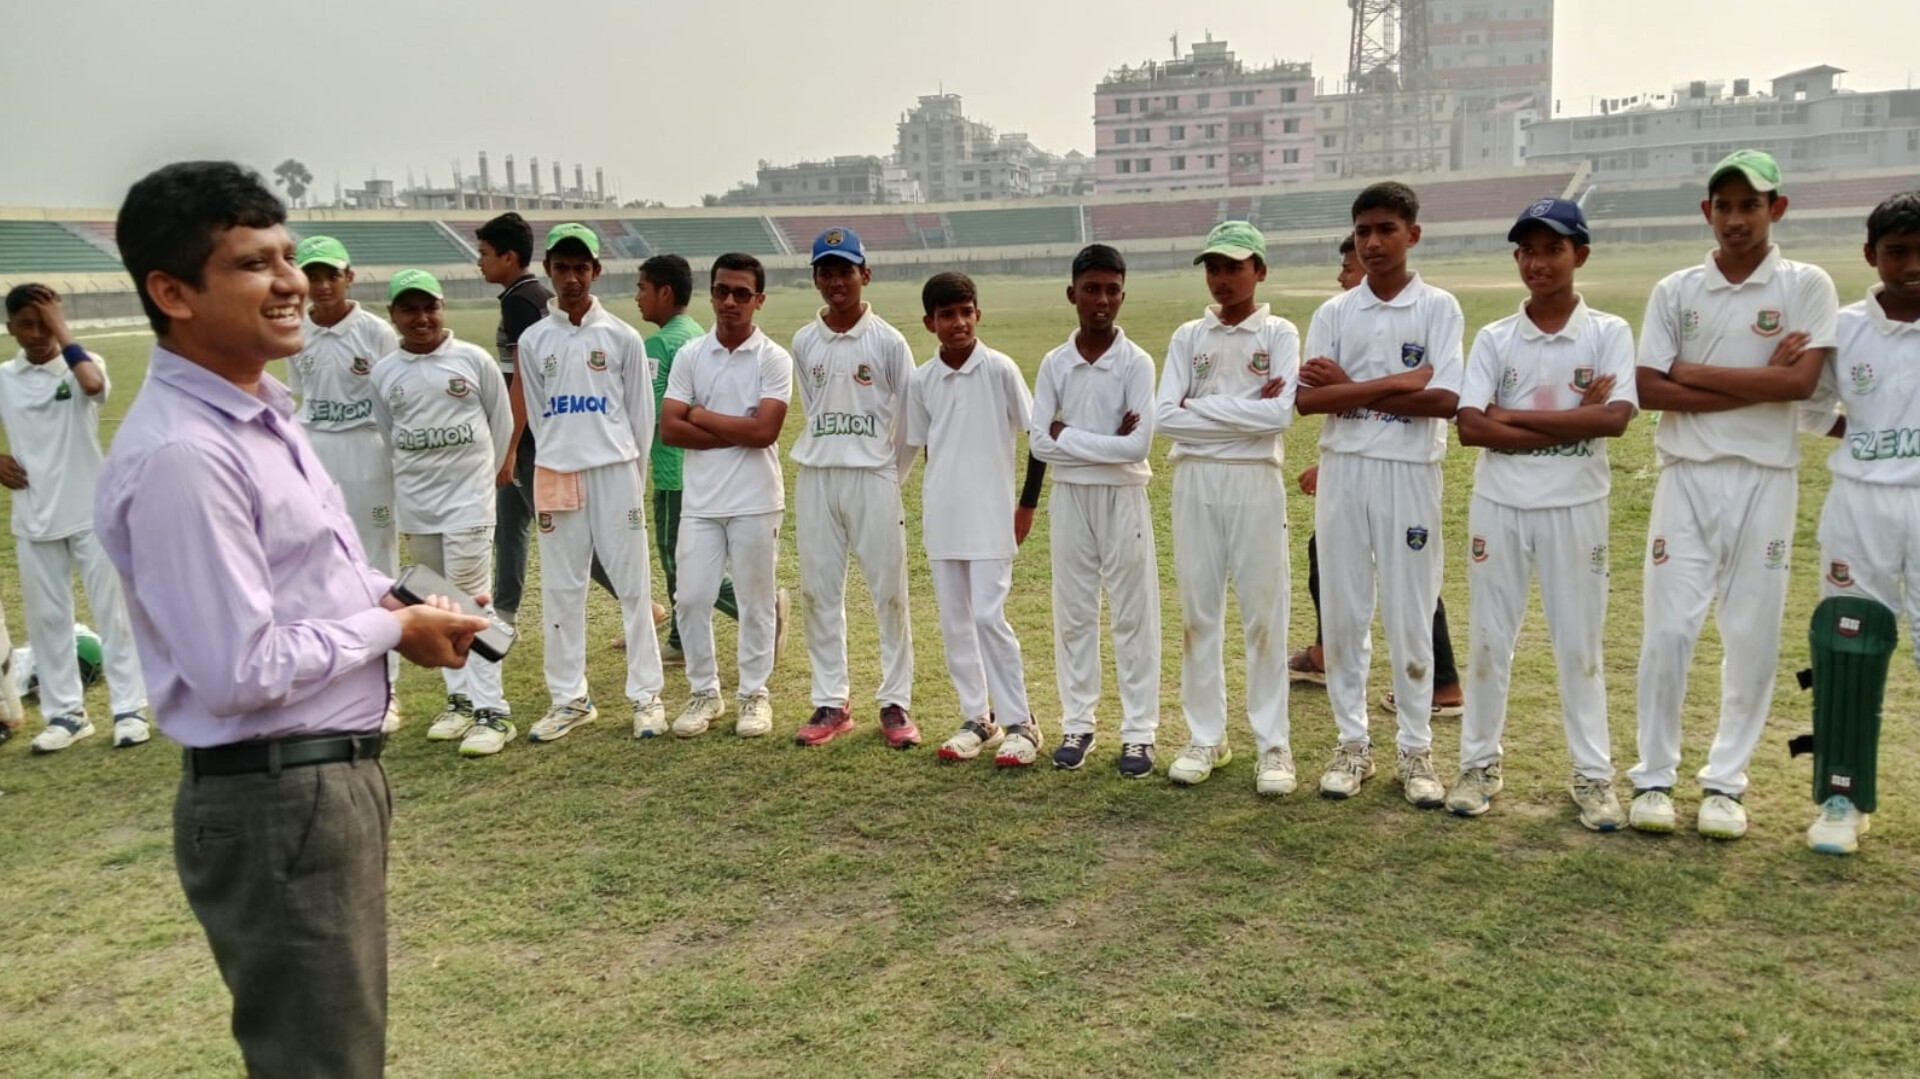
(1310, 481)
(1415, 380)
(436, 634)
(1598, 392)
(1054, 429)
(1319, 373)
(1128, 423)
(1788, 351)
(1272, 388)
(1022, 524)
(52, 315)
(12, 476)
(505, 478)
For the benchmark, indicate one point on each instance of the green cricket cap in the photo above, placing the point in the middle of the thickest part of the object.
(1760, 169)
(324, 250)
(414, 281)
(574, 230)
(1236, 240)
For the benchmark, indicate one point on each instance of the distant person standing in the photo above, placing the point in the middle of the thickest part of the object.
(506, 252)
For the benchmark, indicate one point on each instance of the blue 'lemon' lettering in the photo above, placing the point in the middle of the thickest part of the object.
(568, 403)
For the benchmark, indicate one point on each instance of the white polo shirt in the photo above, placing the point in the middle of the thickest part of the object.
(1091, 399)
(1372, 338)
(1874, 375)
(589, 390)
(54, 430)
(1218, 370)
(332, 374)
(970, 421)
(1697, 315)
(447, 421)
(853, 387)
(1515, 365)
(732, 481)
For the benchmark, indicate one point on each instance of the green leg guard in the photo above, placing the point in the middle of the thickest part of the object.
(1853, 642)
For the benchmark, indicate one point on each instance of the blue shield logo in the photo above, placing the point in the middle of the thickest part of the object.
(1412, 354)
(1416, 538)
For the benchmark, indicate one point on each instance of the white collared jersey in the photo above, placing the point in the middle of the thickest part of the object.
(588, 388)
(1092, 399)
(970, 421)
(1371, 338)
(448, 422)
(53, 428)
(1209, 401)
(1514, 365)
(853, 387)
(731, 481)
(1696, 315)
(333, 372)
(1874, 376)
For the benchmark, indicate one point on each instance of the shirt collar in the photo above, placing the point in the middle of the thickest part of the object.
(595, 313)
(203, 385)
(1112, 355)
(1762, 273)
(1403, 298)
(967, 368)
(1211, 320)
(25, 366)
(859, 328)
(751, 344)
(340, 327)
(1576, 323)
(517, 282)
(445, 344)
(1887, 327)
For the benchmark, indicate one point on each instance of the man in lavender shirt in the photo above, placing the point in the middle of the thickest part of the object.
(262, 629)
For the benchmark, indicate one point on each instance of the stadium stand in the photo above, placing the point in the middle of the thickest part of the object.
(47, 247)
(389, 243)
(1605, 204)
(1305, 211)
(1861, 194)
(930, 229)
(1153, 220)
(100, 232)
(696, 237)
(878, 232)
(1014, 228)
(1488, 200)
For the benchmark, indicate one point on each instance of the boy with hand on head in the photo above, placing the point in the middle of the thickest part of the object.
(590, 407)
(1386, 372)
(51, 412)
(1726, 348)
(332, 374)
(853, 369)
(442, 405)
(1226, 396)
(726, 402)
(1093, 422)
(967, 406)
(1544, 389)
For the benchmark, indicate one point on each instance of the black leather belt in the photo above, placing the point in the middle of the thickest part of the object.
(247, 757)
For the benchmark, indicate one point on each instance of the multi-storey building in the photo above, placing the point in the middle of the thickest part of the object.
(848, 180)
(955, 159)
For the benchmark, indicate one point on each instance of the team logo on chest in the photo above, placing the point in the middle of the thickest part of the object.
(1659, 550)
(397, 400)
(1689, 323)
(1767, 322)
(305, 363)
(458, 387)
(1479, 548)
(597, 360)
(1777, 554)
(1412, 354)
(1509, 381)
(1863, 379)
(64, 391)
(863, 374)
(819, 375)
(1261, 364)
(1417, 538)
(1840, 575)
(360, 365)
(1202, 367)
(550, 366)
(1583, 378)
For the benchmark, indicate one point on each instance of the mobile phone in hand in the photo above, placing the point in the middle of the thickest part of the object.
(417, 583)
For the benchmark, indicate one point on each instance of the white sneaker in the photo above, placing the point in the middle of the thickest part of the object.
(1721, 816)
(1275, 774)
(756, 716)
(650, 718)
(701, 710)
(1472, 793)
(1652, 811)
(1021, 747)
(453, 721)
(973, 736)
(1415, 772)
(130, 729)
(561, 720)
(1351, 766)
(1838, 828)
(1195, 763)
(61, 732)
(488, 734)
(1599, 808)
(393, 719)
(782, 611)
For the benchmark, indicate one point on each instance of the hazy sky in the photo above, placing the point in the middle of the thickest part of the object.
(677, 99)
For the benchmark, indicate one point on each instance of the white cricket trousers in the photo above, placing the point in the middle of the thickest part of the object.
(857, 511)
(1379, 516)
(46, 584)
(1567, 547)
(1719, 530)
(1870, 547)
(983, 655)
(1230, 522)
(613, 525)
(708, 546)
(1103, 537)
(465, 558)
(360, 463)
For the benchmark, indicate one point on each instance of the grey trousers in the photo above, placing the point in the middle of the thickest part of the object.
(288, 876)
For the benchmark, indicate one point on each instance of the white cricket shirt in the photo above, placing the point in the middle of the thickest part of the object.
(1372, 338)
(1218, 370)
(1091, 399)
(589, 389)
(53, 428)
(1875, 375)
(732, 481)
(332, 374)
(970, 422)
(853, 387)
(448, 422)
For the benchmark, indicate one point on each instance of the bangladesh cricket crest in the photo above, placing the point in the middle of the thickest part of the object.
(1689, 323)
(1417, 538)
(550, 366)
(458, 387)
(597, 360)
(1261, 364)
(1659, 550)
(863, 374)
(361, 366)
(1412, 354)
(546, 522)
(1767, 322)
(1863, 378)
(64, 391)
(1583, 378)
(382, 516)
(1777, 554)
(1479, 548)
(1597, 561)
(636, 520)
(819, 375)
(1840, 575)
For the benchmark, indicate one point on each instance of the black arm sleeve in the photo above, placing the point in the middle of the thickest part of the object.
(1030, 491)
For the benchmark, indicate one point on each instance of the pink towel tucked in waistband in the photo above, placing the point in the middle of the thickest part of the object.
(557, 492)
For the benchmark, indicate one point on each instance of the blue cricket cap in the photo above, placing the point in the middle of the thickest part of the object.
(1561, 215)
(840, 243)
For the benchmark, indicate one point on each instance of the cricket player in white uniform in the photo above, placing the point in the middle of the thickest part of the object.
(726, 402)
(1726, 349)
(50, 398)
(1226, 396)
(589, 398)
(968, 405)
(442, 405)
(332, 374)
(1385, 369)
(1093, 422)
(1545, 388)
(1869, 398)
(853, 370)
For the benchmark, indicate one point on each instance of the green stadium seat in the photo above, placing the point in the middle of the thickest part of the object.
(388, 243)
(30, 247)
(696, 237)
(1016, 227)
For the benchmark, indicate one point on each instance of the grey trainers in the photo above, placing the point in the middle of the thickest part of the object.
(1473, 792)
(1351, 766)
(1599, 809)
(1415, 772)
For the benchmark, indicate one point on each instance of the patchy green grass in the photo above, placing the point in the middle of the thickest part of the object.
(603, 907)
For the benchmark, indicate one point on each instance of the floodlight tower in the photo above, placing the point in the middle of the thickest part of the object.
(1392, 107)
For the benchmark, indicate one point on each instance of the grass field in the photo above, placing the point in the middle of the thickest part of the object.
(602, 907)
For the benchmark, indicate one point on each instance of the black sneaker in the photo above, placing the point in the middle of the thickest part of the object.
(1136, 760)
(1073, 751)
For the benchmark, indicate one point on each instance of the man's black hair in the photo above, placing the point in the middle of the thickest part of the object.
(1098, 257)
(1899, 214)
(1389, 195)
(1346, 245)
(947, 289)
(172, 215)
(735, 260)
(21, 297)
(670, 272)
(508, 233)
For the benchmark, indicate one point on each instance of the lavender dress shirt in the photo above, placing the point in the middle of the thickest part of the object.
(254, 608)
